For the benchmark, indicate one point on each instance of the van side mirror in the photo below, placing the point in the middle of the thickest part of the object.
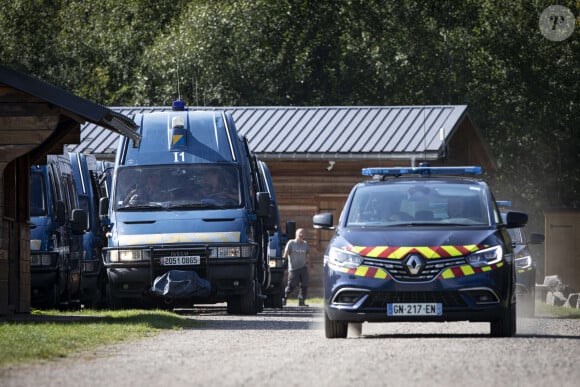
(78, 221)
(104, 209)
(263, 204)
(290, 229)
(59, 216)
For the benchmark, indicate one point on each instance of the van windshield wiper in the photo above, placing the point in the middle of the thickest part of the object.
(192, 205)
(150, 206)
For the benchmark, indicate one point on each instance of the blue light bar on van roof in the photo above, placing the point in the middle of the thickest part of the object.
(398, 171)
(504, 203)
(178, 105)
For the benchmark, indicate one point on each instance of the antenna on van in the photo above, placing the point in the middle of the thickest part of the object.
(178, 90)
(424, 137)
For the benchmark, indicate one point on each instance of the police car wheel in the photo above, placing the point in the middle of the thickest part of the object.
(335, 329)
(506, 325)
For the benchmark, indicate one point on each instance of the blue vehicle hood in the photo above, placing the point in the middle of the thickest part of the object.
(418, 236)
(170, 227)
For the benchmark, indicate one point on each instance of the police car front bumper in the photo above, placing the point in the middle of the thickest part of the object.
(479, 297)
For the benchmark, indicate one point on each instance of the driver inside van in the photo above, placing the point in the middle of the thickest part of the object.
(146, 192)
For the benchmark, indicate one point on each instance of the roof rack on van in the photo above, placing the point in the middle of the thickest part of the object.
(422, 170)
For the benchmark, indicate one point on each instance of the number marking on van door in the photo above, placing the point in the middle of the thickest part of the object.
(180, 261)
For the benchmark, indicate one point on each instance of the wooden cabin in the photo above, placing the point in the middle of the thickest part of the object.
(36, 119)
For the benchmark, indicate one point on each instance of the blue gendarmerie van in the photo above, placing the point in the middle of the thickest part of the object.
(57, 225)
(86, 174)
(420, 244)
(186, 223)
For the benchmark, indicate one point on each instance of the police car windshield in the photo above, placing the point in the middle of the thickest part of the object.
(418, 203)
(183, 187)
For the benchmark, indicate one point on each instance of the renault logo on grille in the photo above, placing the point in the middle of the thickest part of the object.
(414, 264)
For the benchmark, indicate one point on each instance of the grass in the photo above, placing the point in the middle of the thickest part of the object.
(46, 335)
(556, 311)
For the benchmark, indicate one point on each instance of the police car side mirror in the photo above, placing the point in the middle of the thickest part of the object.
(323, 221)
(515, 219)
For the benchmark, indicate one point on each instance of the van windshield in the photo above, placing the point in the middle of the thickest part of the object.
(170, 187)
(37, 195)
(417, 203)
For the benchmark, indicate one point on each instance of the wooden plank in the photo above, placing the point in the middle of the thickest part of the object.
(23, 137)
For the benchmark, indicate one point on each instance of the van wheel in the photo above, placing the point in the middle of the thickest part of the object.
(335, 329)
(274, 300)
(506, 325)
(53, 297)
(244, 304)
(113, 302)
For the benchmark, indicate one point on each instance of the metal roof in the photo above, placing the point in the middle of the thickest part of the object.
(320, 132)
(83, 109)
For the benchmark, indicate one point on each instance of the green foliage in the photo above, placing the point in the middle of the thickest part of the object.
(521, 88)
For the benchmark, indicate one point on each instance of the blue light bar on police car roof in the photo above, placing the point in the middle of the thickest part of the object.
(398, 171)
(504, 203)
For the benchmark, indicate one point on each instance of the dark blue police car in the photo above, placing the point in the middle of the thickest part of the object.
(420, 244)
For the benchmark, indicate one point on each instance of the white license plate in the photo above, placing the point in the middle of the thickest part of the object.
(180, 261)
(415, 309)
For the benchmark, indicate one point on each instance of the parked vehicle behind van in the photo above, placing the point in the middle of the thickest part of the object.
(86, 175)
(184, 212)
(525, 263)
(276, 242)
(56, 235)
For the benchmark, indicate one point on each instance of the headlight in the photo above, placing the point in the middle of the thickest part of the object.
(245, 251)
(486, 257)
(523, 262)
(128, 255)
(276, 263)
(344, 258)
(41, 260)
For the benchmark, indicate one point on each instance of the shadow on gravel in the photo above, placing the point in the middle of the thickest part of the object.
(288, 318)
(160, 320)
(425, 336)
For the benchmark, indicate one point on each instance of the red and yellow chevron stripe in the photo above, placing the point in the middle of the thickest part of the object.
(400, 252)
(364, 271)
(465, 270)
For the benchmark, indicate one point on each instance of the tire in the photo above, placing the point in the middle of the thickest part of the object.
(335, 329)
(274, 301)
(506, 325)
(244, 304)
(53, 297)
(113, 302)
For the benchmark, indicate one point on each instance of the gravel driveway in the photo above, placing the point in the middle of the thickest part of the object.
(287, 348)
